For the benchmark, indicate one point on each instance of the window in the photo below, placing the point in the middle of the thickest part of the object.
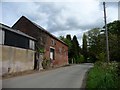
(40, 39)
(31, 44)
(2, 33)
(63, 49)
(60, 50)
(66, 53)
(52, 42)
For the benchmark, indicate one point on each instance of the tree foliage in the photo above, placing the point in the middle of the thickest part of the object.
(74, 50)
(97, 42)
(114, 39)
(94, 45)
(84, 47)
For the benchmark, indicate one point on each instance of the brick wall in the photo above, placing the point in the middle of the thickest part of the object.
(61, 56)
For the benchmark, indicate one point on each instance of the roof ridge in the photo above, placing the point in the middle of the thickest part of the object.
(41, 28)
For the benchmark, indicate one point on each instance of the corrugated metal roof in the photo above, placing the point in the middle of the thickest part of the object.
(2, 26)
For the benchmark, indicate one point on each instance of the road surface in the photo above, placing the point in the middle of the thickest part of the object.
(64, 77)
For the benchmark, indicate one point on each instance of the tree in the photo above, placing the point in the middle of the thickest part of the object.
(75, 49)
(114, 39)
(94, 43)
(68, 37)
(114, 27)
(113, 47)
(68, 41)
(84, 47)
(97, 46)
(62, 38)
(75, 45)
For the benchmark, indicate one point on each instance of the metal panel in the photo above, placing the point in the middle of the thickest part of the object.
(13, 39)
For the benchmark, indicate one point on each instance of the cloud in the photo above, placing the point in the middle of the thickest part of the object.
(60, 18)
(119, 10)
(112, 11)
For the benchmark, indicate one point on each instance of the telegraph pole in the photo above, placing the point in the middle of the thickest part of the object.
(106, 33)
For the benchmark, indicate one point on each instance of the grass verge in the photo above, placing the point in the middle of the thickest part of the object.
(103, 75)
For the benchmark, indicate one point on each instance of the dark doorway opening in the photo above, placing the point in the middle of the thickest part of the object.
(36, 61)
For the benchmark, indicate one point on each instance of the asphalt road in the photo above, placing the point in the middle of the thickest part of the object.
(64, 77)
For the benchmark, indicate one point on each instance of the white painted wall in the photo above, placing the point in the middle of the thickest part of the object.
(17, 59)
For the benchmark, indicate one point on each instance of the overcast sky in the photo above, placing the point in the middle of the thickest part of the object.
(61, 18)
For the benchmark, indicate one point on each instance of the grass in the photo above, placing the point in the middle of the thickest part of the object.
(103, 75)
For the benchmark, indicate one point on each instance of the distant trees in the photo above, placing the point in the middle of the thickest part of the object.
(74, 50)
(68, 41)
(84, 47)
(96, 44)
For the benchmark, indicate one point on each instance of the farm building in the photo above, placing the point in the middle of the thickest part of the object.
(54, 49)
(16, 50)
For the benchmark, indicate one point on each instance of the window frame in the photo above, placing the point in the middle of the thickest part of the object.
(32, 44)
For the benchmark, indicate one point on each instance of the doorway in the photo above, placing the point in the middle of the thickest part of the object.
(36, 60)
(52, 53)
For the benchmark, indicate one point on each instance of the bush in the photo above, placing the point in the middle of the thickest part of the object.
(103, 75)
(118, 73)
(46, 63)
(101, 56)
(77, 59)
(82, 59)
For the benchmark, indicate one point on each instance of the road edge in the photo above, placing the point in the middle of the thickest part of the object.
(85, 79)
(29, 72)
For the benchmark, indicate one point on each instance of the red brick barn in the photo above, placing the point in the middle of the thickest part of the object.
(54, 49)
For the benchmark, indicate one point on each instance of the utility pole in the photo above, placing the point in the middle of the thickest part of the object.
(106, 33)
